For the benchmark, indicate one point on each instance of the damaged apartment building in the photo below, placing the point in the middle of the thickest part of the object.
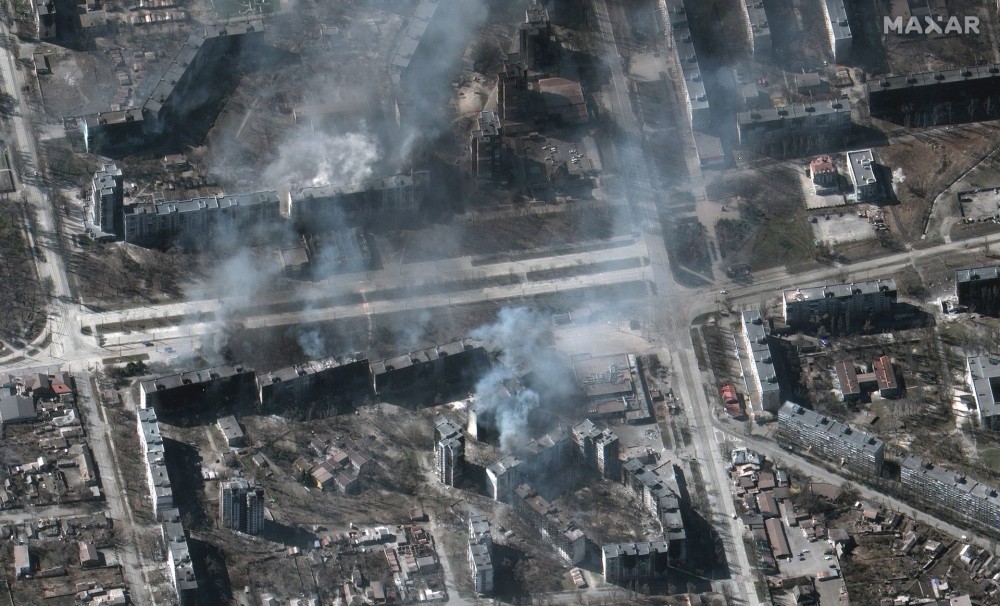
(308, 210)
(449, 451)
(184, 89)
(334, 383)
(328, 383)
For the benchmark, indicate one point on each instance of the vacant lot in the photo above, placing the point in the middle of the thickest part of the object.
(772, 228)
(928, 163)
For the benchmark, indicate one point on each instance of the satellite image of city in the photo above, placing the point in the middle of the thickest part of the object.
(482, 302)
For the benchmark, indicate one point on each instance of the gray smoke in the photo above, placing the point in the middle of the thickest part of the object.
(520, 414)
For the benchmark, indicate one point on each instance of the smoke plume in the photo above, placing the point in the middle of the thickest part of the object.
(521, 414)
(316, 159)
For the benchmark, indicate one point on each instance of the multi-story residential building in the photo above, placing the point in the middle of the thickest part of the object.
(829, 439)
(457, 365)
(181, 91)
(598, 448)
(861, 166)
(107, 200)
(661, 491)
(179, 561)
(757, 26)
(503, 477)
(241, 506)
(481, 563)
(449, 451)
(329, 381)
(939, 97)
(793, 127)
(965, 497)
(844, 306)
(481, 553)
(222, 385)
(535, 44)
(549, 453)
(160, 222)
(486, 145)
(157, 481)
(555, 525)
(978, 289)
(983, 374)
(693, 87)
(762, 378)
(838, 29)
(628, 562)
(161, 495)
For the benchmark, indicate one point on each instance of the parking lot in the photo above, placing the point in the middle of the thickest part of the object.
(840, 227)
(813, 559)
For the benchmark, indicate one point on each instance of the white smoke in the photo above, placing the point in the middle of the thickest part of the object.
(520, 334)
(310, 159)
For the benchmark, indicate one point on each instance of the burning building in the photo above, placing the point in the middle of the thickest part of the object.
(454, 364)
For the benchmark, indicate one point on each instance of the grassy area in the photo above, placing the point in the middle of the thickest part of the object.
(781, 241)
(772, 228)
(990, 457)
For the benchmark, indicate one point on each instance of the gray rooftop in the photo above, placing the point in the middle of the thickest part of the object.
(945, 76)
(230, 428)
(503, 465)
(984, 376)
(755, 331)
(194, 376)
(948, 477)
(977, 273)
(862, 166)
(840, 290)
(793, 112)
(480, 556)
(838, 25)
(414, 33)
(221, 203)
(635, 549)
(835, 430)
(759, 27)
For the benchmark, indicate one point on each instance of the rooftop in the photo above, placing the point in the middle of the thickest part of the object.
(838, 23)
(793, 112)
(840, 290)
(946, 76)
(835, 430)
(984, 379)
(862, 166)
(977, 273)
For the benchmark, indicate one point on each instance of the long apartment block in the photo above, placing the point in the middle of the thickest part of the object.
(762, 379)
(853, 304)
(965, 496)
(828, 439)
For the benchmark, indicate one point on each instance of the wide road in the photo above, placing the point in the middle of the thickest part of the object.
(670, 310)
